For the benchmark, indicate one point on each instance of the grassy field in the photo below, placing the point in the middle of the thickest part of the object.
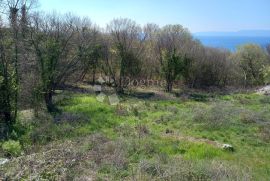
(146, 137)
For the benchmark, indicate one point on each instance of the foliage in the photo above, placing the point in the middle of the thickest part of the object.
(173, 66)
(55, 55)
(266, 74)
(252, 60)
(8, 85)
(133, 146)
(124, 51)
(172, 55)
(12, 148)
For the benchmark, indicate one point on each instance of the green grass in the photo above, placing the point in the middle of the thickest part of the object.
(152, 127)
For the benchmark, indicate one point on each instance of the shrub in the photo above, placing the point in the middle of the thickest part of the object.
(142, 130)
(265, 133)
(125, 130)
(265, 100)
(215, 117)
(12, 148)
(248, 117)
(186, 170)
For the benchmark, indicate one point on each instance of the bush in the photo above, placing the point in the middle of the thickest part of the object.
(12, 148)
(186, 170)
(265, 133)
(265, 100)
(248, 117)
(216, 117)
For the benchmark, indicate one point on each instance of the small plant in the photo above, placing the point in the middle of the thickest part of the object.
(265, 133)
(142, 130)
(248, 117)
(136, 112)
(215, 117)
(265, 100)
(12, 148)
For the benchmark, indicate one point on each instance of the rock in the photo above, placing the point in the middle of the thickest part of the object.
(227, 147)
(3, 161)
(114, 99)
(265, 90)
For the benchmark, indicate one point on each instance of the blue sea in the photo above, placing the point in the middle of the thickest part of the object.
(232, 42)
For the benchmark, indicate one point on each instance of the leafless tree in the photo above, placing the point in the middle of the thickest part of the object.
(126, 45)
(90, 48)
(52, 37)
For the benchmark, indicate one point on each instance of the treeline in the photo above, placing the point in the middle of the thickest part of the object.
(40, 52)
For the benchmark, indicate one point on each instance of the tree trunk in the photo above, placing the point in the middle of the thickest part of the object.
(169, 86)
(94, 76)
(6, 125)
(49, 102)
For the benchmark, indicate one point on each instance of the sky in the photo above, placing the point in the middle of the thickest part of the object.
(196, 15)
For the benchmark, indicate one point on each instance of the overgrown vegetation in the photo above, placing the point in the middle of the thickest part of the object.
(60, 73)
(146, 139)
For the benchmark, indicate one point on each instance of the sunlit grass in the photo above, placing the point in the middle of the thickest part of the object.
(173, 128)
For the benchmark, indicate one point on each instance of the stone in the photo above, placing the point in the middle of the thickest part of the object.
(97, 88)
(114, 99)
(3, 161)
(101, 97)
(228, 147)
(101, 80)
(265, 90)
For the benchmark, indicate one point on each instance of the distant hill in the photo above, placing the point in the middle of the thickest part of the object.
(243, 33)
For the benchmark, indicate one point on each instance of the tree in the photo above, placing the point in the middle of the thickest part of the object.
(151, 67)
(172, 67)
(56, 55)
(251, 59)
(8, 86)
(125, 49)
(90, 49)
(10, 49)
(171, 43)
(266, 69)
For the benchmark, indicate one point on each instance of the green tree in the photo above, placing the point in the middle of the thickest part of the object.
(171, 42)
(173, 66)
(251, 59)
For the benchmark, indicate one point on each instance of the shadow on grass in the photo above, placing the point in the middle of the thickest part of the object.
(140, 95)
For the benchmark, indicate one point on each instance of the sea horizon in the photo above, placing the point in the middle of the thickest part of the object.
(232, 42)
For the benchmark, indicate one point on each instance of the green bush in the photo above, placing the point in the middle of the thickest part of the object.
(215, 117)
(12, 148)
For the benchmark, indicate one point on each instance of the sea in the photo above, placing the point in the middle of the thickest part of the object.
(232, 42)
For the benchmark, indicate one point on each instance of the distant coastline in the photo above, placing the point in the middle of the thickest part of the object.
(232, 42)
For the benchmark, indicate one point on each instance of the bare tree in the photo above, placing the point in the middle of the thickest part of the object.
(90, 49)
(125, 41)
(151, 66)
(8, 104)
(57, 57)
(10, 55)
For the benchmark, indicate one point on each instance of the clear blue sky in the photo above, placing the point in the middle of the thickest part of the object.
(197, 15)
